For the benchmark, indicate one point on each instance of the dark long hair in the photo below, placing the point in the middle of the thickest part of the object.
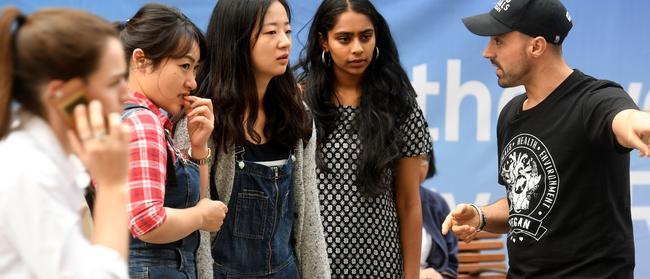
(161, 32)
(432, 164)
(386, 94)
(48, 44)
(227, 78)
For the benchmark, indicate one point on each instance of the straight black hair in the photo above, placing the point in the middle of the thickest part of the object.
(227, 78)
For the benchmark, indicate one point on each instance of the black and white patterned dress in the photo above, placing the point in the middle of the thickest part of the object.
(362, 234)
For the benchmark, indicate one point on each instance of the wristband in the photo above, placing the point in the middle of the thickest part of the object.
(482, 221)
(199, 162)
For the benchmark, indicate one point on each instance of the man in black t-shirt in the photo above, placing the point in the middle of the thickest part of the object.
(563, 153)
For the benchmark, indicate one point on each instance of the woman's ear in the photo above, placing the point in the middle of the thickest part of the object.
(52, 96)
(61, 97)
(53, 89)
(323, 42)
(138, 60)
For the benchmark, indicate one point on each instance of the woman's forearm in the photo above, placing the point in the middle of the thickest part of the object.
(409, 211)
(410, 217)
(178, 224)
(204, 179)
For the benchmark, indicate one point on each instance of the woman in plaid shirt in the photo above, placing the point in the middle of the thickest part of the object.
(166, 210)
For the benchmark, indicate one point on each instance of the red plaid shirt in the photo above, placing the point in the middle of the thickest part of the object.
(147, 166)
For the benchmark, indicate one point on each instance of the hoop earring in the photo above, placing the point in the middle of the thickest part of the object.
(324, 60)
(376, 53)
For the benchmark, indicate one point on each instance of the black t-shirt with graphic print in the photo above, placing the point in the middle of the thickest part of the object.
(568, 183)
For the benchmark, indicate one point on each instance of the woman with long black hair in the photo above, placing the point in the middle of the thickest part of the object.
(264, 144)
(371, 138)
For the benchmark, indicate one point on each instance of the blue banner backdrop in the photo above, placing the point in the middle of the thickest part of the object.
(457, 88)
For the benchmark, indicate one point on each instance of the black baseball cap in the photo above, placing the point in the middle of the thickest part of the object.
(546, 18)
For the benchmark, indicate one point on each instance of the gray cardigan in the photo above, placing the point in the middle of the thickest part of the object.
(310, 244)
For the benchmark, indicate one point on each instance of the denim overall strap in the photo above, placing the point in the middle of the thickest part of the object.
(255, 240)
(176, 259)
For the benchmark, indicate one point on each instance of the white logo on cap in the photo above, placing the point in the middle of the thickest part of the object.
(568, 16)
(502, 5)
(557, 39)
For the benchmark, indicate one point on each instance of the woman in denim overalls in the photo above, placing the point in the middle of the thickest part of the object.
(259, 224)
(264, 142)
(164, 49)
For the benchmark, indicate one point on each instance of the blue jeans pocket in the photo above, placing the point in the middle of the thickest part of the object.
(250, 214)
(139, 272)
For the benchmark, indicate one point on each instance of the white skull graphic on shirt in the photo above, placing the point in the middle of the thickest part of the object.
(521, 173)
